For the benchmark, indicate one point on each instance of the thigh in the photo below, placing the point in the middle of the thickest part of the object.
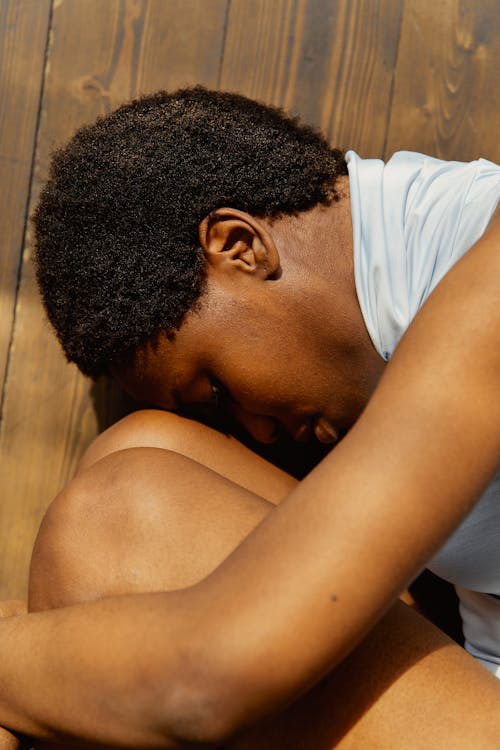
(150, 519)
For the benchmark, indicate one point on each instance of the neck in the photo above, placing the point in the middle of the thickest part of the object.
(316, 250)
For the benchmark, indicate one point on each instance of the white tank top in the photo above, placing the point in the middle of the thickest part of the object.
(413, 218)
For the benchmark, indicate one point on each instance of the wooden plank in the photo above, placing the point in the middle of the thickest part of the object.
(100, 54)
(447, 93)
(332, 62)
(182, 44)
(23, 38)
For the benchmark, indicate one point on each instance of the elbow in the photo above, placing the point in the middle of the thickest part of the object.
(208, 709)
(199, 717)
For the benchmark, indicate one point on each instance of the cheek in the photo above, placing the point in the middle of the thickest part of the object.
(264, 367)
(273, 388)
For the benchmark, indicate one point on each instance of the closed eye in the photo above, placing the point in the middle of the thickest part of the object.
(214, 412)
(211, 411)
(220, 395)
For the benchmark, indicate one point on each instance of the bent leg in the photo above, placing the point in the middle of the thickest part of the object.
(151, 519)
(142, 519)
(153, 428)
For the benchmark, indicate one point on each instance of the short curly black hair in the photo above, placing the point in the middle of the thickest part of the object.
(116, 228)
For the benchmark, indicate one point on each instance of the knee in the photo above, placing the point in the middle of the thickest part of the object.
(203, 445)
(57, 547)
(96, 537)
(140, 519)
(150, 428)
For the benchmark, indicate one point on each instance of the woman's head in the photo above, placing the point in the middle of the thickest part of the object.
(117, 253)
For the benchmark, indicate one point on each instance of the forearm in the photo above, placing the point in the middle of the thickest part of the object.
(97, 672)
(9, 741)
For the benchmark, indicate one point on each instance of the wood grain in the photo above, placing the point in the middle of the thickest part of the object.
(23, 38)
(447, 93)
(100, 54)
(332, 62)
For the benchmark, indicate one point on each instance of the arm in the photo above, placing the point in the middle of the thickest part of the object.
(9, 741)
(166, 669)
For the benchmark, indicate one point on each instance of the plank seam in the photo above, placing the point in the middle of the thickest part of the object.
(393, 82)
(27, 210)
(223, 44)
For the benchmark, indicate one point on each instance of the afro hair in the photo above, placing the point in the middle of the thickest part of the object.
(117, 254)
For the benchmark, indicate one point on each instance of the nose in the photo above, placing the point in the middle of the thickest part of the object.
(262, 428)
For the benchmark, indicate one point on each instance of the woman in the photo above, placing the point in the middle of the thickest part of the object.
(203, 663)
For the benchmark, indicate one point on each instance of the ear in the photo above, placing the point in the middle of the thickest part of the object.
(234, 240)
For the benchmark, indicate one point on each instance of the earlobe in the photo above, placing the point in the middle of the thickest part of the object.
(234, 240)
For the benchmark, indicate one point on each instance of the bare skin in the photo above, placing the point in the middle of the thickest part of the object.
(173, 532)
(11, 608)
(278, 339)
(202, 663)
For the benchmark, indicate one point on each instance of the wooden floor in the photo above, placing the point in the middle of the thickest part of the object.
(376, 75)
